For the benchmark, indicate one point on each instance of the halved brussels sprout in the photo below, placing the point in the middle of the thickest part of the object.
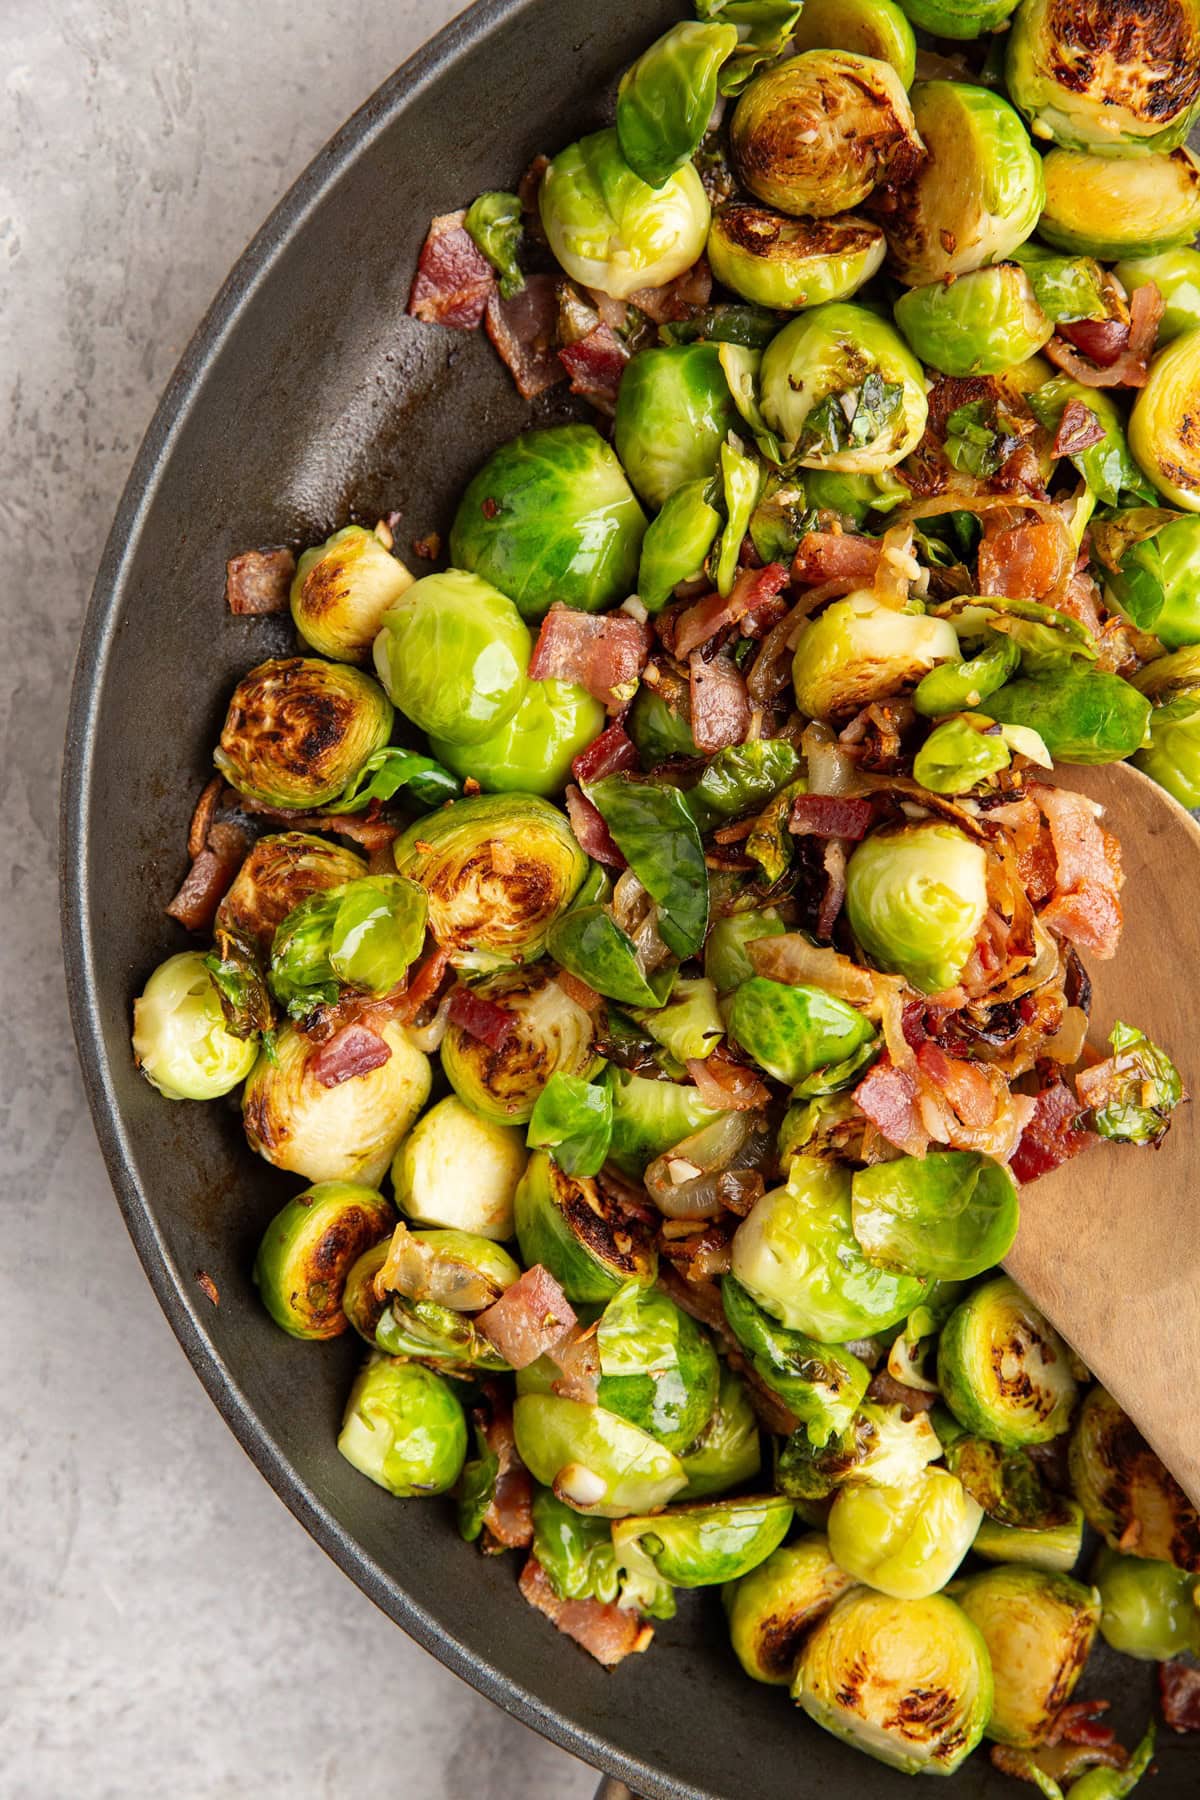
(1156, 585)
(726, 960)
(341, 591)
(298, 729)
(362, 1302)
(550, 1033)
(797, 1255)
(916, 898)
(1164, 427)
(884, 1446)
(1172, 755)
(1067, 287)
(908, 1681)
(657, 1368)
(1039, 1630)
(1055, 1547)
(532, 752)
(904, 1541)
(453, 654)
(347, 1132)
(950, 1214)
(308, 1250)
(822, 1384)
(180, 1040)
(651, 1116)
(1150, 1610)
(875, 28)
(459, 1170)
(588, 1245)
(772, 1609)
(963, 753)
(1003, 1370)
(673, 411)
(1176, 275)
(728, 1452)
(1081, 714)
(499, 870)
(843, 390)
(455, 1269)
(674, 549)
(779, 261)
(1120, 80)
(666, 98)
(281, 870)
(690, 1025)
(958, 18)
(365, 936)
(815, 134)
(609, 229)
(1127, 1495)
(980, 324)
(792, 1032)
(977, 195)
(593, 1460)
(575, 1551)
(1112, 209)
(404, 1428)
(858, 650)
(550, 516)
(705, 1543)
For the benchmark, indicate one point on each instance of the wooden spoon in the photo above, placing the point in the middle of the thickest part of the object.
(1109, 1245)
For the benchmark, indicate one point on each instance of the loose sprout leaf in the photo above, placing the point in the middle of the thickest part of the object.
(365, 934)
(392, 771)
(659, 840)
(851, 418)
(589, 943)
(494, 222)
(771, 844)
(575, 1550)
(1006, 1482)
(573, 1119)
(980, 438)
(1144, 1089)
(779, 521)
(1067, 287)
(241, 987)
(751, 326)
(1083, 715)
(741, 778)
(764, 28)
(741, 480)
(476, 1487)
(666, 98)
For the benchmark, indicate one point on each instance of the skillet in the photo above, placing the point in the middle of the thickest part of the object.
(308, 398)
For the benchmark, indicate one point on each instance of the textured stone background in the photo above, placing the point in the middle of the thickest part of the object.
(168, 1628)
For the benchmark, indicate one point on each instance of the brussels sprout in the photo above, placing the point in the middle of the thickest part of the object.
(1114, 1784)
(658, 837)
(609, 229)
(348, 1132)
(550, 516)
(674, 549)
(764, 29)
(793, 1031)
(689, 1026)
(459, 1170)
(854, 496)
(660, 728)
(778, 261)
(495, 223)
(309, 1249)
(951, 1214)
(908, 1681)
(584, 1240)
(1106, 466)
(982, 323)
(362, 1303)
(821, 1384)
(281, 870)
(657, 1368)
(593, 1460)
(575, 1551)
(298, 729)
(708, 1542)
(1150, 1610)
(1142, 1089)
(958, 18)
(727, 1453)
(532, 752)
(916, 898)
(726, 959)
(1006, 1482)
(1113, 209)
(1082, 715)
(740, 779)
(1067, 287)
(978, 194)
(673, 410)
(904, 1541)
(876, 28)
(1039, 1630)
(883, 1446)
(963, 753)
(404, 1428)
(341, 591)
(1152, 573)
(499, 870)
(1170, 757)
(665, 100)
(1176, 275)
(573, 1119)
(1055, 1547)
(843, 390)
(1115, 79)
(180, 1040)
(814, 135)
(550, 1033)
(651, 1116)
(364, 935)
(772, 1609)
(1126, 1493)
(453, 654)
(858, 650)
(1163, 434)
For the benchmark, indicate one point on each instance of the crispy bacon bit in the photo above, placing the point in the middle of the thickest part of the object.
(727, 1084)
(211, 874)
(1179, 1685)
(605, 654)
(1022, 561)
(835, 556)
(424, 984)
(528, 1318)
(1078, 430)
(613, 751)
(1115, 354)
(530, 185)
(1101, 339)
(678, 299)
(354, 1050)
(608, 1632)
(595, 364)
(508, 1521)
(888, 1097)
(752, 589)
(523, 332)
(480, 1017)
(827, 816)
(1085, 907)
(719, 702)
(885, 1390)
(591, 833)
(208, 1286)
(1080, 1723)
(259, 581)
(1052, 1136)
(964, 1084)
(370, 833)
(454, 280)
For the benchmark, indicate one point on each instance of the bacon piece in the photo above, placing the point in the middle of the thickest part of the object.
(1085, 907)
(508, 1521)
(1022, 561)
(836, 556)
(454, 279)
(605, 654)
(1080, 600)
(354, 1050)
(528, 1318)
(523, 331)
(1104, 340)
(211, 874)
(613, 751)
(1052, 1136)
(828, 816)
(965, 1085)
(595, 365)
(480, 1017)
(372, 833)
(679, 299)
(259, 581)
(752, 589)
(1078, 430)
(577, 1354)
(608, 1632)
(719, 702)
(1179, 1685)
(1111, 359)
(530, 184)
(591, 833)
(202, 818)
(727, 1084)
(424, 984)
(1080, 1723)
(888, 1097)
(885, 1390)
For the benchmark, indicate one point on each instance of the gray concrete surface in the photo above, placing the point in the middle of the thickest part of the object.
(167, 1627)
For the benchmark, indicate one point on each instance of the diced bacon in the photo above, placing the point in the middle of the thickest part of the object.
(888, 1097)
(834, 898)
(370, 833)
(480, 1017)
(595, 365)
(1078, 430)
(678, 299)
(454, 280)
(965, 1085)
(530, 185)
(1080, 600)
(591, 833)
(523, 331)
(577, 1355)
(1052, 1136)
(1023, 561)
(1101, 339)
(605, 654)
(752, 589)
(210, 876)
(508, 1522)
(354, 1050)
(836, 556)
(1115, 354)
(203, 816)
(1179, 1686)
(609, 754)
(424, 984)
(720, 704)
(830, 816)
(528, 1318)
(608, 1632)
(259, 581)
(1088, 879)
(1080, 1722)
(724, 1083)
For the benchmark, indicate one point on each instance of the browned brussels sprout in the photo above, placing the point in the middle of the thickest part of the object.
(298, 730)
(1127, 1495)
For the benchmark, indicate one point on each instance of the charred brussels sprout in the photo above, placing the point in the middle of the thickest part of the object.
(550, 1033)
(773, 1609)
(821, 1384)
(591, 1459)
(362, 1302)
(876, 28)
(673, 410)
(1164, 427)
(908, 1681)
(404, 1428)
(347, 1132)
(498, 869)
(843, 391)
(778, 261)
(689, 1027)
(1055, 1547)
(1112, 209)
(884, 1446)
(816, 134)
(1120, 80)
(674, 549)
(1176, 275)
(459, 1170)
(309, 1249)
(550, 516)
(657, 1368)
(727, 1453)
(981, 324)
(281, 870)
(666, 99)
(904, 1541)
(299, 729)
(792, 1032)
(1126, 1493)
(1081, 714)
(703, 1543)
(1156, 585)
(452, 655)
(978, 194)
(1039, 1630)
(726, 958)
(532, 752)
(950, 1214)
(916, 898)
(588, 1245)
(651, 1116)
(341, 591)
(1003, 1370)
(180, 1040)
(1150, 1610)
(858, 651)
(609, 229)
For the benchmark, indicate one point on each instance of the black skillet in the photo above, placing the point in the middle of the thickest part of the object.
(308, 398)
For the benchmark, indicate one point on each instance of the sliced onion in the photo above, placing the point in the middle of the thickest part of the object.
(429, 1037)
(794, 959)
(723, 1158)
(831, 769)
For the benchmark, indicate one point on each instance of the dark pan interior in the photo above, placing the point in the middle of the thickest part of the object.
(307, 398)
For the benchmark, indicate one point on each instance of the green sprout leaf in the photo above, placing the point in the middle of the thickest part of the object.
(494, 222)
(573, 1119)
(391, 771)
